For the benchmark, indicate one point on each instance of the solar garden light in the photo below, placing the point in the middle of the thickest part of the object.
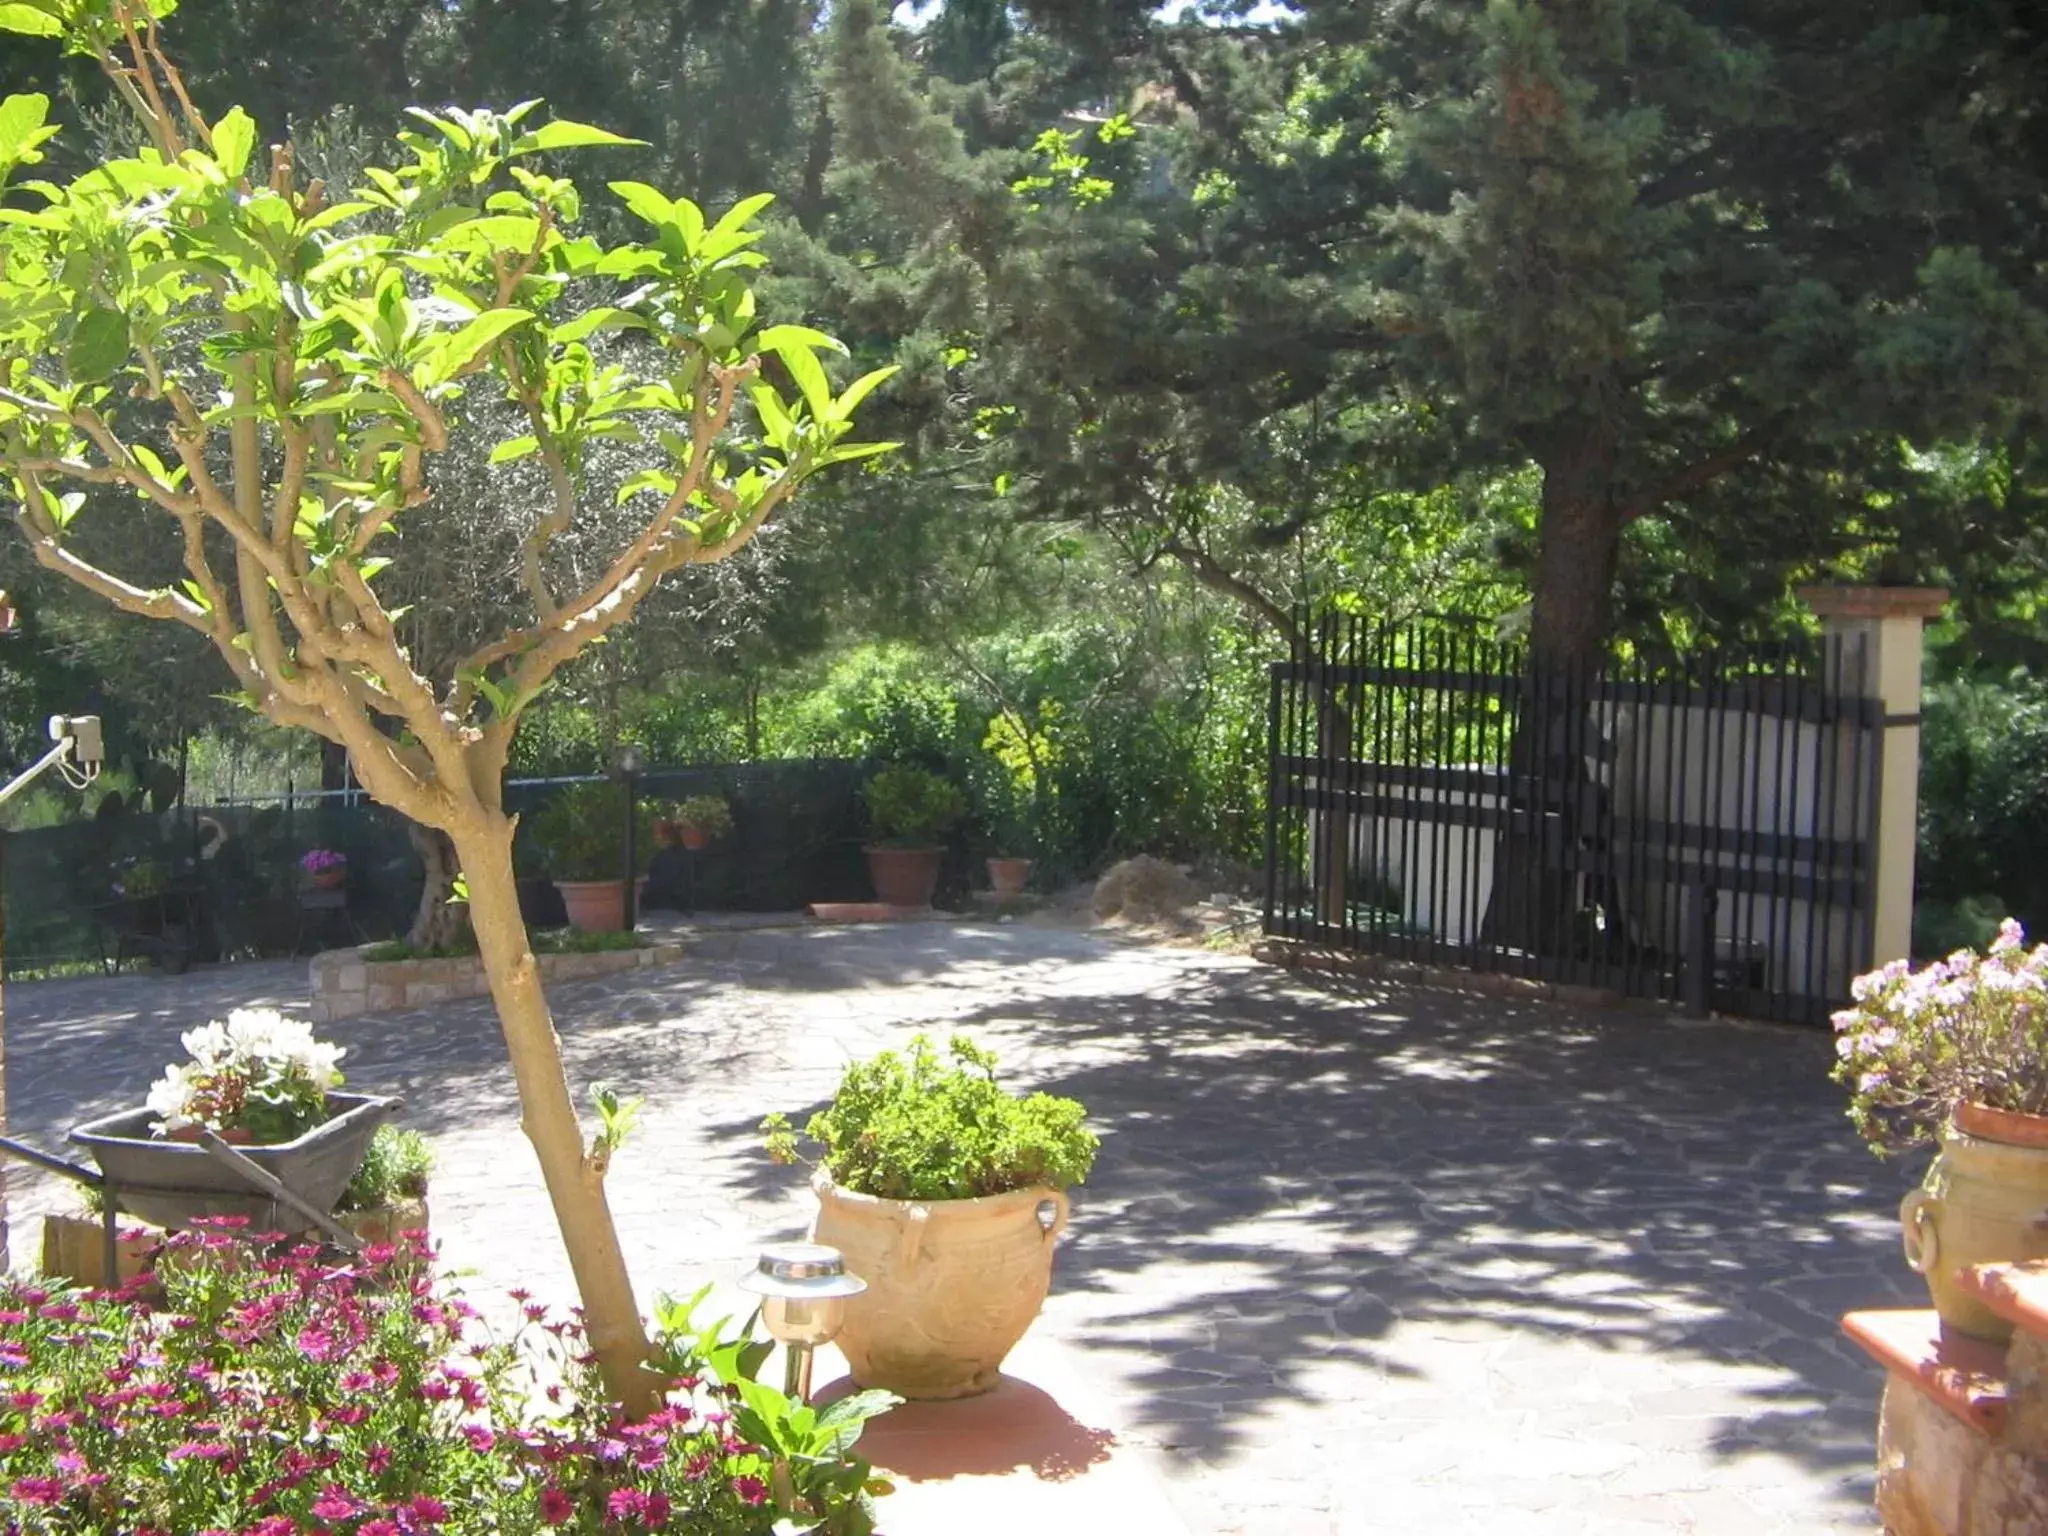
(803, 1289)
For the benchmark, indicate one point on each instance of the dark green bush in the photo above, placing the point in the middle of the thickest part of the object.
(1983, 809)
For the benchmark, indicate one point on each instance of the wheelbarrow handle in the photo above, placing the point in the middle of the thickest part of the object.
(277, 1189)
(76, 1172)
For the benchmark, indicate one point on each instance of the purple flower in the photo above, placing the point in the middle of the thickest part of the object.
(334, 1503)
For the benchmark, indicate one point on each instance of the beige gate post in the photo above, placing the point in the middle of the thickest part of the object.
(1890, 623)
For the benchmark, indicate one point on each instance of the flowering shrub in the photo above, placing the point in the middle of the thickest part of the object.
(272, 1394)
(1969, 1028)
(323, 861)
(259, 1072)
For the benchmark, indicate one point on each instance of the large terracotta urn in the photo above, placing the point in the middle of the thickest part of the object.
(952, 1284)
(905, 877)
(1983, 1201)
(594, 906)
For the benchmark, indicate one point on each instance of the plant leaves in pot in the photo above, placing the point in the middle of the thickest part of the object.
(580, 836)
(946, 1193)
(1955, 1055)
(910, 811)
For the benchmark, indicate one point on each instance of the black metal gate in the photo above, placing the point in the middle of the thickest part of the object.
(1699, 830)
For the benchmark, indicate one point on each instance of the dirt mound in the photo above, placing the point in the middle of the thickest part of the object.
(1146, 893)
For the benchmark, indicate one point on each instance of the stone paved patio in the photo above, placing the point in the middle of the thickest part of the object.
(1358, 1258)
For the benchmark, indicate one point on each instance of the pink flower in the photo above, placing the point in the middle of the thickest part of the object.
(750, 1489)
(377, 1528)
(334, 1503)
(626, 1504)
(428, 1511)
(274, 1525)
(480, 1439)
(556, 1507)
(378, 1460)
(38, 1490)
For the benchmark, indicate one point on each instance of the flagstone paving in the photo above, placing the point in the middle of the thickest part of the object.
(1359, 1256)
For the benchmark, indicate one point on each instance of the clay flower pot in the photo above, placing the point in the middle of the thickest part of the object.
(594, 906)
(694, 837)
(331, 879)
(1006, 877)
(1981, 1203)
(952, 1284)
(905, 877)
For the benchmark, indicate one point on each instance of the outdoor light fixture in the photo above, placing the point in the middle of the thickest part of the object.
(803, 1289)
(629, 758)
(76, 755)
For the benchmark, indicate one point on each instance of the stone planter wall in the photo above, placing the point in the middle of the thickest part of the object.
(345, 984)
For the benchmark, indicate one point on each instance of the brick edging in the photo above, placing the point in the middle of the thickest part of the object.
(344, 984)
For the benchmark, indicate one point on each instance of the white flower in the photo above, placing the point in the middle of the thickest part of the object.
(171, 1095)
(207, 1044)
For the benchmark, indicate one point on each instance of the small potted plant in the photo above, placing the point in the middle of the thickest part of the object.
(580, 836)
(945, 1192)
(258, 1080)
(702, 820)
(1956, 1055)
(910, 812)
(388, 1194)
(325, 870)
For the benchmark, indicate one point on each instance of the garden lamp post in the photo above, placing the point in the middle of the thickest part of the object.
(629, 759)
(803, 1289)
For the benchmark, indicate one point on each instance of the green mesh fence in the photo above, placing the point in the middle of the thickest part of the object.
(223, 881)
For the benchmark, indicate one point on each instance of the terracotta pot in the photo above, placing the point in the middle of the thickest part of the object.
(1981, 1203)
(384, 1223)
(693, 837)
(1006, 877)
(952, 1284)
(905, 877)
(666, 831)
(594, 906)
(330, 879)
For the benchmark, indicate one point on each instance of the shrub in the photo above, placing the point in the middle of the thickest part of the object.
(547, 941)
(909, 1127)
(581, 833)
(1971, 1028)
(272, 1393)
(396, 1167)
(910, 808)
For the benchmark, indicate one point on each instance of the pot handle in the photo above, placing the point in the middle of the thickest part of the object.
(1052, 1214)
(1917, 1215)
(910, 1240)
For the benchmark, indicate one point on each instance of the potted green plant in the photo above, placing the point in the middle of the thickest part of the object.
(1955, 1054)
(388, 1194)
(580, 836)
(701, 820)
(910, 812)
(945, 1192)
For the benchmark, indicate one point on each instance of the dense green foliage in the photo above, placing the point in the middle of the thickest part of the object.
(1616, 320)
(912, 808)
(395, 1167)
(580, 834)
(910, 1127)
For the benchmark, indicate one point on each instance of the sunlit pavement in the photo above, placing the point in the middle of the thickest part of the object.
(1358, 1256)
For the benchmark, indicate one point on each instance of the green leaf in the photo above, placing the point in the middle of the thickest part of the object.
(31, 20)
(23, 125)
(775, 423)
(461, 348)
(197, 594)
(514, 448)
(730, 232)
(99, 345)
(797, 346)
(234, 138)
(63, 508)
(644, 202)
(857, 391)
(563, 134)
(647, 480)
(846, 453)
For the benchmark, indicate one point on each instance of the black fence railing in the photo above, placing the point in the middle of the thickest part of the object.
(224, 879)
(1698, 830)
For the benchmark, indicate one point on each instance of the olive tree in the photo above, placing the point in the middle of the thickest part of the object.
(198, 332)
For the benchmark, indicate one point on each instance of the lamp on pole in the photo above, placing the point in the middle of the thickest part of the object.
(629, 759)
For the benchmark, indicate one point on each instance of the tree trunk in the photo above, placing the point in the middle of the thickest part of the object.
(1577, 551)
(439, 922)
(548, 1117)
(1537, 894)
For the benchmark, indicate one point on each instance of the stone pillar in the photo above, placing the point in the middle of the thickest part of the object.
(1886, 624)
